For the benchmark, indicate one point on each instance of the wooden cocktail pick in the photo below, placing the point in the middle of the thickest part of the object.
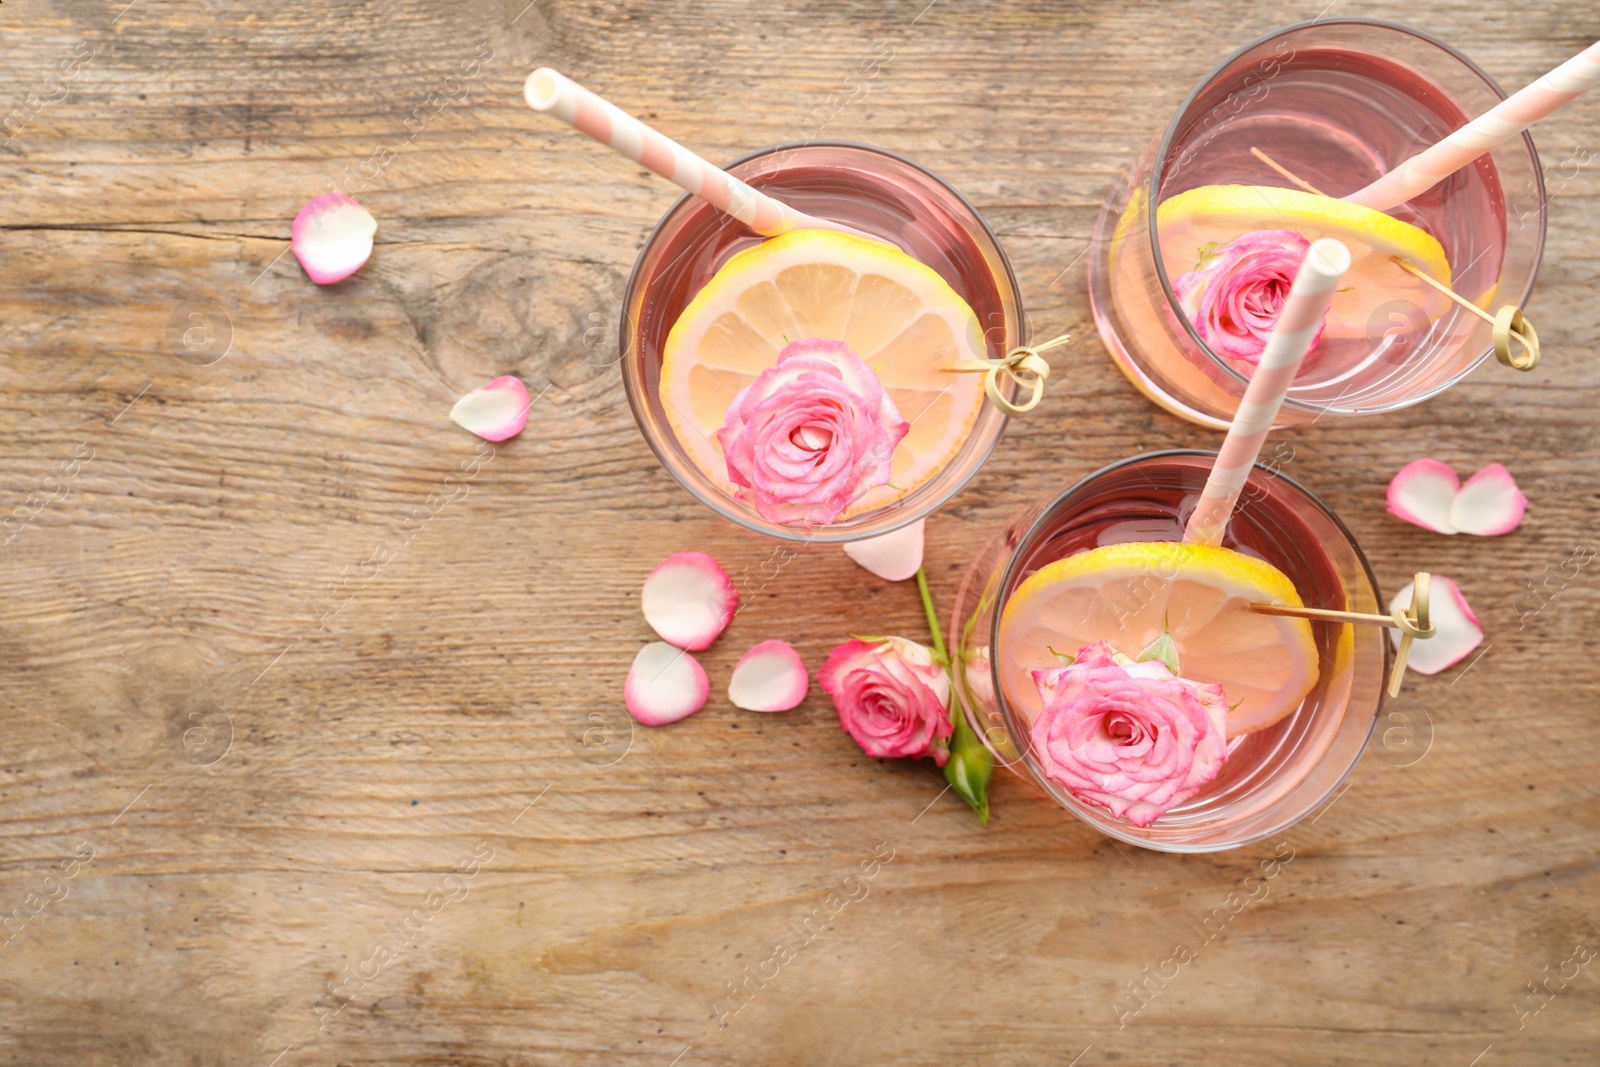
(1412, 622)
(1509, 324)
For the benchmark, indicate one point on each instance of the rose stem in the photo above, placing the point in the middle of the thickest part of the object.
(933, 618)
(970, 765)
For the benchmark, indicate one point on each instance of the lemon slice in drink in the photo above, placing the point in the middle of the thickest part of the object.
(1199, 220)
(1126, 594)
(898, 315)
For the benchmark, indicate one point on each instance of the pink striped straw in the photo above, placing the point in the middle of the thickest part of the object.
(550, 91)
(1494, 127)
(1319, 274)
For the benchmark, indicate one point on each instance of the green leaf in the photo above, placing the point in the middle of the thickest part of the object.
(1062, 658)
(1207, 252)
(1163, 650)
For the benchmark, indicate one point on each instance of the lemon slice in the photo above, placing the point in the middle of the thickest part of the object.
(1217, 214)
(898, 315)
(1126, 594)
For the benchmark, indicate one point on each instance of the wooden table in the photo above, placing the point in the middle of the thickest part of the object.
(276, 694)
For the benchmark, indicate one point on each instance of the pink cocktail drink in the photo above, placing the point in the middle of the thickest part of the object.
(1274, 774)
(870, 191)
(1335, 104)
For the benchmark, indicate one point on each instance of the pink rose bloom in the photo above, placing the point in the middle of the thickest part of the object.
(809, 436)
(1235, 296)
(892, 698)
(1128, 736)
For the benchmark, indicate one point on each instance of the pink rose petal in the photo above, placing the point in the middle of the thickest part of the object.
(664, 685)
(689, 600)
(1422, 494)
(894, 556)
(1459, 629)
(769, 677)
(1429, 494)
(495, 412)
(1489, 504)
(332, 237)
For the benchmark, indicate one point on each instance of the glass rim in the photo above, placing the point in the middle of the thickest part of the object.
(1108, 824)
(743, 517)
(1158, 165)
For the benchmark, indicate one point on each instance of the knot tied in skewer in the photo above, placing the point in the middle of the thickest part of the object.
(1413, 624)
(1022, 365)
(1509, 324)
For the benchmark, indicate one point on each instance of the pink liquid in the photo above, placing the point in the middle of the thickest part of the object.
(1339, 119)
(1337, 103)
(872, 191)
(930, 225)
(1149, 499)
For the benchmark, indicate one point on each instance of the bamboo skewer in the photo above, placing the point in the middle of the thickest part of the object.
(1326, 614)
(1287, 174)
(1505, 325)
(1509, 323)
(1412, 622)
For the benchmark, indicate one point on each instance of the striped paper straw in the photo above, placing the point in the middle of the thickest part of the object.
(552, 92)
(1319, 275)
(1496, 126)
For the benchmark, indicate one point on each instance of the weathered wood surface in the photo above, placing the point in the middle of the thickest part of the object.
(257, 753)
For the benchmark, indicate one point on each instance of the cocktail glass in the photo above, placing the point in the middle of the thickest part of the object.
(1336, 103)
(866, 188)
(1272, 778)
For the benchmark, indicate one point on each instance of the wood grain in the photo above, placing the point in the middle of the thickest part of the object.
(261, 757)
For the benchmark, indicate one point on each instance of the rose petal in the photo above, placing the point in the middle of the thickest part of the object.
(496, 411)
(894, 556)
(332, 237)
(664, 684)
(769, 677)
(1459, 629)
(1489, 504)
(688, 599)
(1422, 493)
(1429, 494)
